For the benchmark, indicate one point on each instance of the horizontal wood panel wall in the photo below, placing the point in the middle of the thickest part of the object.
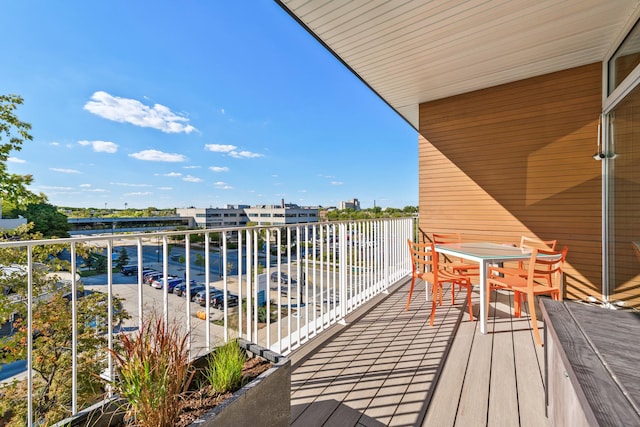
(516, 160)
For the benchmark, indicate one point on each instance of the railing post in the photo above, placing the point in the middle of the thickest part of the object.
(30, 335)
(343, 267)
(386, 255)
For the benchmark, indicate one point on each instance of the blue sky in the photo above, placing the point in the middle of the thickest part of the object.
(196, 103)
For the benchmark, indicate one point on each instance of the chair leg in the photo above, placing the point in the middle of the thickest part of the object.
(517, 304)
(434, 300)
(469, 302)
(531, 299)
(413, 281)
(488, 300)
(453, 292)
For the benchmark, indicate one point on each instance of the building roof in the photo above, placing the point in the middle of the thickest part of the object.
(410, 52)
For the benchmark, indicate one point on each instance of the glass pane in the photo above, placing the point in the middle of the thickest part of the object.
(626, 58)
(624, 202)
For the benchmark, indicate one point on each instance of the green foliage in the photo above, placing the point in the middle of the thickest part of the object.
(13, 187)
(199, 261)
(74, 212)
(371, 213)
(224, 369)
(153, 373)
(52, 331)
(123, 258)
(52, 356)
(46, 219)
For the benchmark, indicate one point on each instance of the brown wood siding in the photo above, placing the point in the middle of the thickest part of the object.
(516, 160)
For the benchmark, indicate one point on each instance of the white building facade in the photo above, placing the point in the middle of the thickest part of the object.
(240, 215)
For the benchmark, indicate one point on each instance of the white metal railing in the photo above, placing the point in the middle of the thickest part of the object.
(322, 272)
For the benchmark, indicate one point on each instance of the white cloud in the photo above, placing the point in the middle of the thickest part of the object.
(95, 190)
(125, 110)
(190, 178)
(337, 182)
(172, 174)
(101, 146)
(62, 170)
(219, 148)
(219, 168)
(15, 160)
(126, 184)
(165, 188)
(85, 185)
(244, 154)
(55, 144)
(191, 167)
(158, 156)
(51, 187)
(231, 150)
(139, 193)
(223, 186)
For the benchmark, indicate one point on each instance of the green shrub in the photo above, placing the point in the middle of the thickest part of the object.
(224, 371)
(153, 373)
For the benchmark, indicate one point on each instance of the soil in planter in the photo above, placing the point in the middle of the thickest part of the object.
(199, 402)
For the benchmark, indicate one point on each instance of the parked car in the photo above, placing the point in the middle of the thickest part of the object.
(150, 277)
(129, 270)
(200, 296)
(195, 287)
(217, 300)
(171, 282)
(283, 278)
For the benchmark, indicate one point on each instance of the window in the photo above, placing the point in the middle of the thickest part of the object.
(625, 60)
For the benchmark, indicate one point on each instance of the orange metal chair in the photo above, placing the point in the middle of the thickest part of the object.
(418, 266)
(426, 267)
(521, 270)
(529, 286)
(456, 266)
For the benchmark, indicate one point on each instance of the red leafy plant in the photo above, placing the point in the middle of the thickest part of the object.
(153, 373)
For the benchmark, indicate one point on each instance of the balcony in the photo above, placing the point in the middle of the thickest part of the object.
(358, 357)
(388, 367)
(327, 271)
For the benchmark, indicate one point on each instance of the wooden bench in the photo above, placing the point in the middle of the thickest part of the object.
(592, 365)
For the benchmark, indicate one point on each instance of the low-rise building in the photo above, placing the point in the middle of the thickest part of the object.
(351, 204)
(281, 214)
(240, 215)
(229, 216)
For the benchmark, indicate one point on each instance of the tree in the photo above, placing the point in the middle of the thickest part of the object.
(13, 187)
(52, 357)
(51, 333)
(123, 258)
(101, 263)
(46, 220)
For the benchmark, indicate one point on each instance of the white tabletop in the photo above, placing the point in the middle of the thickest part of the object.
(483, 251)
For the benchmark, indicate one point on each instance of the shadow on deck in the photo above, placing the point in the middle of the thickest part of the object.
(387, 366)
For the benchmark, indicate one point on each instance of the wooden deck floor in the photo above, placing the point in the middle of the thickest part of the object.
(389, 367)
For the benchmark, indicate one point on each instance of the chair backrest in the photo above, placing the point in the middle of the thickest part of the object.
(444, 238)
(422, 259)
(535, 243)
(549, 264)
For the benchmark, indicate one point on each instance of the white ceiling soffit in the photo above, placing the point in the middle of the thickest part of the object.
(411, 51)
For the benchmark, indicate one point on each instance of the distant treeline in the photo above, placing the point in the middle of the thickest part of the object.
(115, 213)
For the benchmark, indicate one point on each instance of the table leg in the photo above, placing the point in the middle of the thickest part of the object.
(483, 296)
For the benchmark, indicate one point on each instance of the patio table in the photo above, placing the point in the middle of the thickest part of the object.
(485, 254)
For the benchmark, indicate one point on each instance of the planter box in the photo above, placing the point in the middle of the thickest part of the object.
(265, 399)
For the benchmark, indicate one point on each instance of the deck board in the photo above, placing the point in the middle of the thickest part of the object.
(389, 367)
